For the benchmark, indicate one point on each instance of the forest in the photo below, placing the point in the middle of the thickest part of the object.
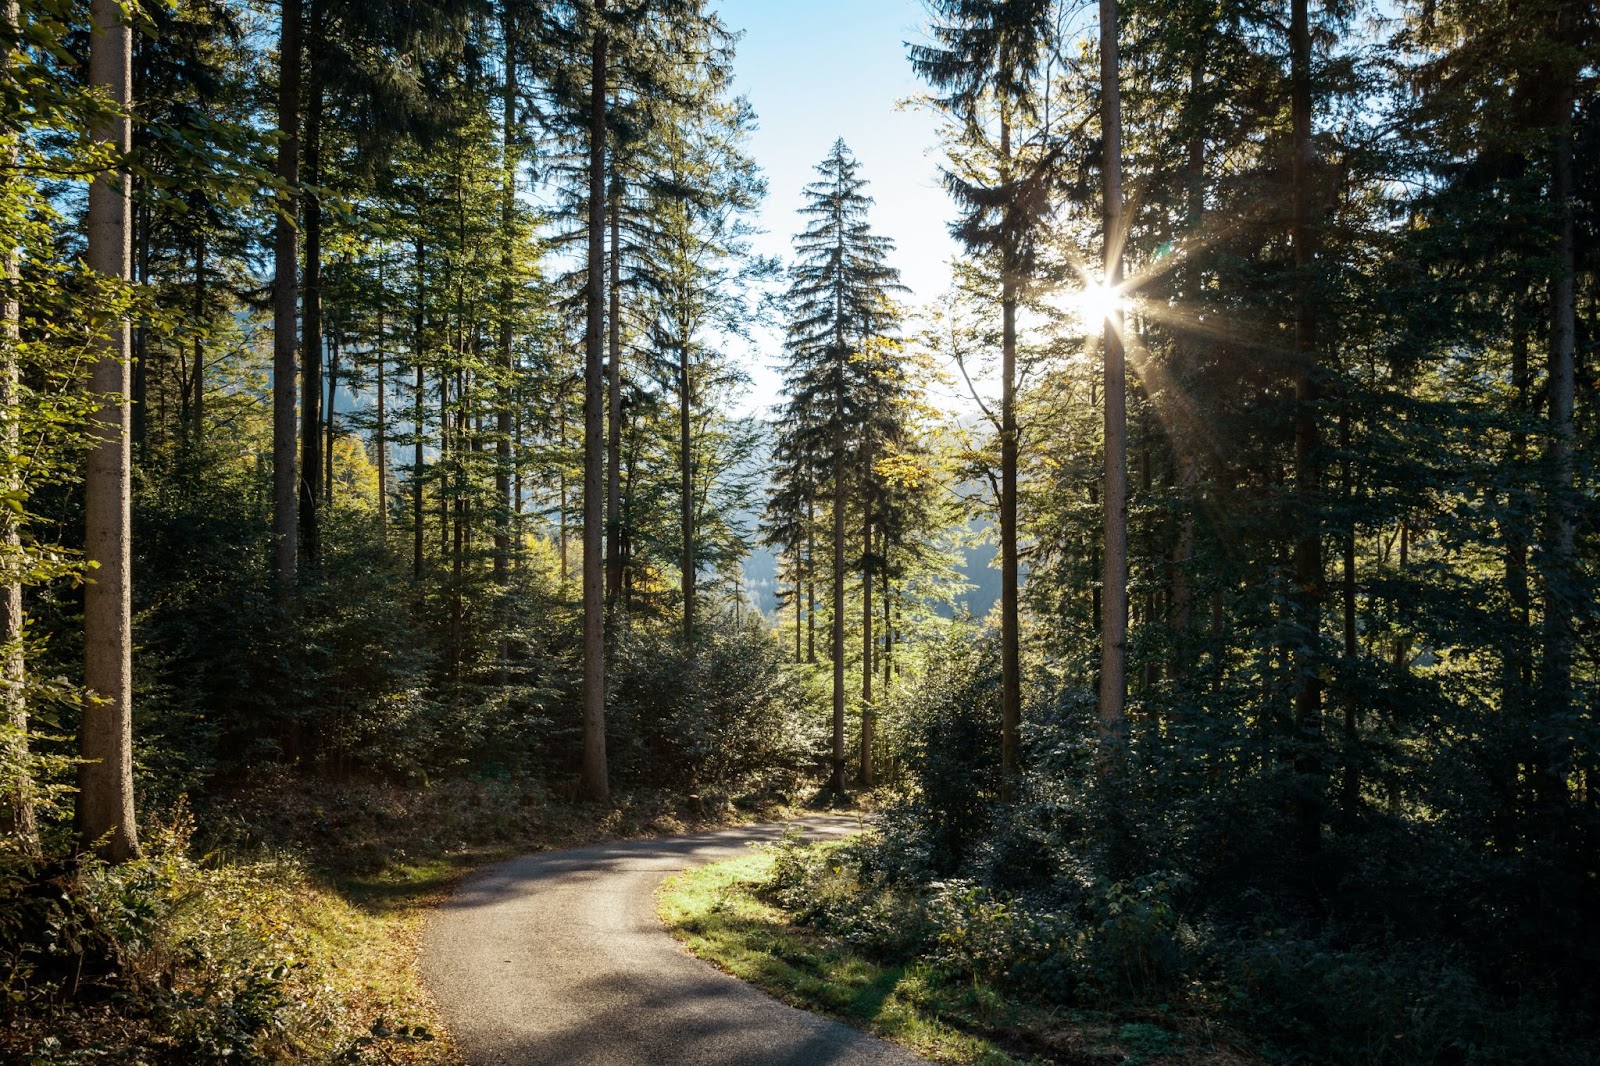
(388, 436)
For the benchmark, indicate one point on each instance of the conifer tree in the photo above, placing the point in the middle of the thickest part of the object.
(840, 301)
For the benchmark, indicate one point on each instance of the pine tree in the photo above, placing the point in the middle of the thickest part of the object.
(840, 302)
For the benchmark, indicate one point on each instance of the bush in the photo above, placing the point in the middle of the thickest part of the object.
(163, 960)
(728, 713)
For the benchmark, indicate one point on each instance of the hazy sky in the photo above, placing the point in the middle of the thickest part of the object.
(817, 70)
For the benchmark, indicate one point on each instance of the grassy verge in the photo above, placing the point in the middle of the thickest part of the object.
(721, 914)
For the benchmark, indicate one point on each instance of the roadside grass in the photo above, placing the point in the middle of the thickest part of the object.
(718, 912)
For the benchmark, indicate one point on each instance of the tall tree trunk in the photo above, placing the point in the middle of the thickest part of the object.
(811, 579)
(1010, 612)
(594, 783)
(418, 416)
(17, 820)
(104, 813)
(141, 332)
(614, 532)
(311, 312)
(690, 564)
(285, 306)
(197, 425)
(1308, 566)
(1559, 565)
(799, 619)
(1517, 667)
(1352, 710)
(331, 422)
(562, 476)
(508, 367)
(840, 505)
(867, 713)
(382, 435)
(1114, 608)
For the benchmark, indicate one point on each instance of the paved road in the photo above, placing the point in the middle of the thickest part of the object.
(559, 958)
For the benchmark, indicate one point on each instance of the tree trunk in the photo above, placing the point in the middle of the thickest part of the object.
(197, 411)
(1560, 572)
(419, 344)
(686, 489)
(1308, 567)
(614, 532)
(811, 580)
(17, 820)
(331, 421)
(562, 476)
(382, 435)
(508, 218)
(1010, 612)
(1114, 607)
(105, 814)
(867, 713)
(285, 306)
(840, 504)
(311, 314)
(594, 783)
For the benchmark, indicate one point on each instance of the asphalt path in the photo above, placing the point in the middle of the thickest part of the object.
(559, 958)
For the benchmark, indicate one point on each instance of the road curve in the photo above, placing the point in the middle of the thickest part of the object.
(559, 958)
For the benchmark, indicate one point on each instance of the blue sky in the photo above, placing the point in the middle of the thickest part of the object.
(817, 70)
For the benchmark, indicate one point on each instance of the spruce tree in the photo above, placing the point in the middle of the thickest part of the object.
(840, 301)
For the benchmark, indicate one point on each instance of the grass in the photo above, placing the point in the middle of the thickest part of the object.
(716, 912)
(721, 914)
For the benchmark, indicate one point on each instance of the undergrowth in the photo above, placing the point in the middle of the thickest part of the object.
(277, 925)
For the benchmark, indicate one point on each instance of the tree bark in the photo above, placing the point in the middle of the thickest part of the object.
(285, 309)
(419, 344)
(840, 505)
(105, 812)
(311, 314)
(1308, 563)
(690, 563)
(382, 435)
(1114, 607)
(614, 532)
(811, 579)
(330, 421)
(17, 819)
(867, 713)
(1559, 563)
(1010, 612)
(197, 410)
(508, 217)
(593, 782)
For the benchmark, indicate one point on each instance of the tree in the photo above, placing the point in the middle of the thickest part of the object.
(594, 783)
(105, 814)
(285, 304)
(988, 58)
(840, 308)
